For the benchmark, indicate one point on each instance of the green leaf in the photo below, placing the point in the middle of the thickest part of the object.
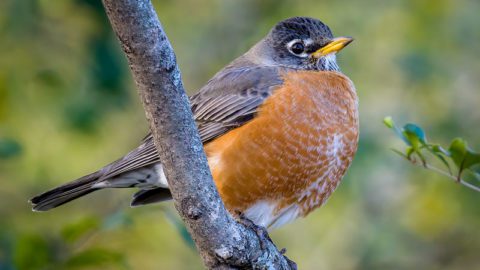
(458, 150)
(73, 232)
(472, 158)
(462, 155)
(416, 139)
(409, 151)
(414, 131)
(388, 121)
(95, 257)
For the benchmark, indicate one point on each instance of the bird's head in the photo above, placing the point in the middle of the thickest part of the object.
(301, 43)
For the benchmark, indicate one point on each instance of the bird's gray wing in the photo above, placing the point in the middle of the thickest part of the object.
(230, 99)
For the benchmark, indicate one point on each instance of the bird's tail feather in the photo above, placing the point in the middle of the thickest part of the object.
(65, 193)
(149, 196)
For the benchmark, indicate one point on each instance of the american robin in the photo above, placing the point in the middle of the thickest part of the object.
(279, 126)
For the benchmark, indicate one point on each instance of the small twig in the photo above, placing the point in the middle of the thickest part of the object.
(444, 173)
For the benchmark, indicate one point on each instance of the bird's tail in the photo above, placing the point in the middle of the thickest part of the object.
(65, 193)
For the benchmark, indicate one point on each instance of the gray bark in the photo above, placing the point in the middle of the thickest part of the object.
(222, 242)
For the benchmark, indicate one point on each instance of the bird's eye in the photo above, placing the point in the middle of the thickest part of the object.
(297, 48)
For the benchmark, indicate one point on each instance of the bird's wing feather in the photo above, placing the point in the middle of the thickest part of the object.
(230, 99)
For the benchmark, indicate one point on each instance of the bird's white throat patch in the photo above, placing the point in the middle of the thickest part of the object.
(330, 62)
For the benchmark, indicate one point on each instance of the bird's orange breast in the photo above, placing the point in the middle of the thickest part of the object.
(297, 148)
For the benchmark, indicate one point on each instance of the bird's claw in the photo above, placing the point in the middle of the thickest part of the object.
(260, 231)
(263, 236)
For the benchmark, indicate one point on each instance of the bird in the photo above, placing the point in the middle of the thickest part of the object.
(279, 126)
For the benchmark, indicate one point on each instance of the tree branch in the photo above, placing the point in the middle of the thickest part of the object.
(222, 242)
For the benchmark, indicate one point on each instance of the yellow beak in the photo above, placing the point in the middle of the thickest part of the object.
(334, 46)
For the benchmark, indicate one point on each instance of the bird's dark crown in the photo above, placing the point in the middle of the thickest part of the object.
(301, 28)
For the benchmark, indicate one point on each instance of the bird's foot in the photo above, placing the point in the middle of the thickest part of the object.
(263, 237)
(260, 231)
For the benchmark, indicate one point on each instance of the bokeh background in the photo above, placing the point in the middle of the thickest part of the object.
(68, 106)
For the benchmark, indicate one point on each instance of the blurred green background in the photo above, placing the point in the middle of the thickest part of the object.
(68, 106)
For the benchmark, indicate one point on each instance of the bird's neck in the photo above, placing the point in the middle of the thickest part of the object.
(258, 55)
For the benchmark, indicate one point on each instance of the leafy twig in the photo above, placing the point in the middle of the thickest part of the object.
(459, 154)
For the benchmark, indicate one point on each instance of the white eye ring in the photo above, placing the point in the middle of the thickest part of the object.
(295, 41)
